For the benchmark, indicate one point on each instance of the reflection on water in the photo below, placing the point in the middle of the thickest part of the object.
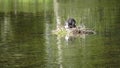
(58, 23)
(20, 40)
(59, 53)
(26, 40)
(6, 29)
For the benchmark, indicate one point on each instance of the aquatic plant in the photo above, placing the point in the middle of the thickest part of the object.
(61, 32)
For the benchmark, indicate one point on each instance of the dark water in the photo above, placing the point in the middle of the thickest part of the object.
(26, 40)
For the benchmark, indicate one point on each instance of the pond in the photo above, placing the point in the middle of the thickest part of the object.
(26, 40)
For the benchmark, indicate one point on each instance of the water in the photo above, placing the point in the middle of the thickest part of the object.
(26, 40)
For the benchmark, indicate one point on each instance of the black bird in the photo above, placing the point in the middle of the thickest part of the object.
(70, 23)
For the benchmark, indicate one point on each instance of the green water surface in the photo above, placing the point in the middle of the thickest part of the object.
(26, 40)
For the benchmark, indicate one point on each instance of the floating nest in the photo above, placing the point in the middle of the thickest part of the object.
(61, 32)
